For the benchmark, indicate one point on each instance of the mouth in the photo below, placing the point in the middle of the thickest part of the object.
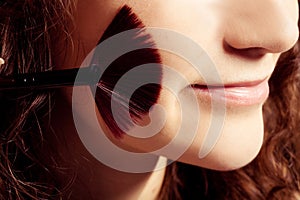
(242, 93)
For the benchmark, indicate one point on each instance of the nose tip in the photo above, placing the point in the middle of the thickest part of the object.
(272, 28)
(273, 40)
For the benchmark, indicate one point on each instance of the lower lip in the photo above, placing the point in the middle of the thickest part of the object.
(236, 95)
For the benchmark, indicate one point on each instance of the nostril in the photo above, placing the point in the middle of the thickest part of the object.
(249, 53)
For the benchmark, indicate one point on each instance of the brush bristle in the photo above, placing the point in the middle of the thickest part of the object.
(125, 20)
(144, 97)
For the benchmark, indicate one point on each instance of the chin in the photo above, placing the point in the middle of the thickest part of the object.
(239, 143)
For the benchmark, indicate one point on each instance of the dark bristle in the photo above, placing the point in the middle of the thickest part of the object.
(124, 20)
(145, 96)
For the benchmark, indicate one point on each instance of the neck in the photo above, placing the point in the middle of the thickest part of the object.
(102, 182)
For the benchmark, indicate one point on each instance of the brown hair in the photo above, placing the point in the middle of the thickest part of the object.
(28, 29)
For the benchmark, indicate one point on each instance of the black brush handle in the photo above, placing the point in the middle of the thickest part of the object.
(51, 79)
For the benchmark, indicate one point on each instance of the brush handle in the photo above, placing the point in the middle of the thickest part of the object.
(51, 79)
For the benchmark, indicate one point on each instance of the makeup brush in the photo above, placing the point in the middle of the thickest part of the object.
(145, 96)
(141, 100)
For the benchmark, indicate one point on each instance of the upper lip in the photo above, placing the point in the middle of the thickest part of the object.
(230, 85)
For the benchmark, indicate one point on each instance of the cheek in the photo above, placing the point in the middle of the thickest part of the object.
(164, 134)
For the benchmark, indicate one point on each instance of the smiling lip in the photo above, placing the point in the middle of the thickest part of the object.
(247, 93)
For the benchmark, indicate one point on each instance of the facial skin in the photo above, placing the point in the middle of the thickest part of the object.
(243, 38)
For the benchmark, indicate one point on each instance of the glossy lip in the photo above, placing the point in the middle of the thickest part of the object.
(243, 93)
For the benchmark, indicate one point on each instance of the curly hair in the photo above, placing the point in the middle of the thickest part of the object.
(28, 30)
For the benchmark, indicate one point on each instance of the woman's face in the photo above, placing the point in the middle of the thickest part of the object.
(243, 39)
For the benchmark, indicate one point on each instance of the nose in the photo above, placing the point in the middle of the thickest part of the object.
(269, 25)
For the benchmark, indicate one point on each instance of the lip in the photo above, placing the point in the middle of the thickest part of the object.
(243, 93)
